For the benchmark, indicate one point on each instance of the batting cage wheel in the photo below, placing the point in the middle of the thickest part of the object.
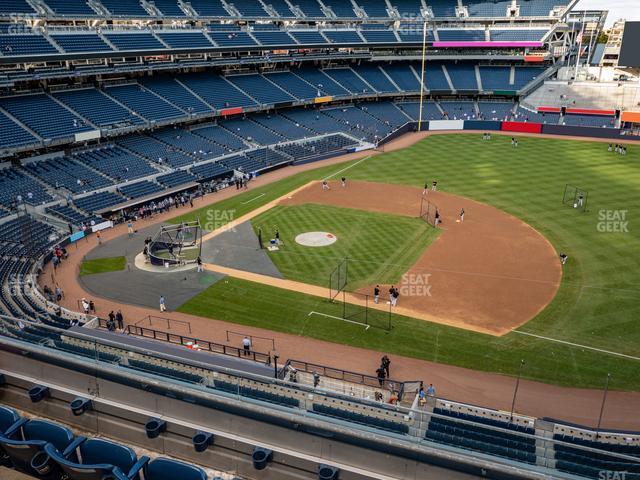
(176, 245)
(575, 197)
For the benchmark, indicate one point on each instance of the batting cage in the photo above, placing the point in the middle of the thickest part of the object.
(575, 197)
(175, 245)
(338, 278)
(428, 211)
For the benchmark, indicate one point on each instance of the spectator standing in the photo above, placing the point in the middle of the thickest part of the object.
(246, 345)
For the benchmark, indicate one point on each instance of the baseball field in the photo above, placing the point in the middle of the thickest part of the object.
(589, 329)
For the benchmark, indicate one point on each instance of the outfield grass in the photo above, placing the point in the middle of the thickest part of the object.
(379, 247)
(598, 302)
(253, 304)
(102, 265)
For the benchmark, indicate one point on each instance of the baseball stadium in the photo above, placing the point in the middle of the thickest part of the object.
(318, 239)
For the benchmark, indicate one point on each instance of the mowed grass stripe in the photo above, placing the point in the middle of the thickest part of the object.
(379, 247)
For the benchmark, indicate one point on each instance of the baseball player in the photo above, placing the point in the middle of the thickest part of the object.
(434, 186)
(426, 188)
(437, 222)
(462, 215)
(344, 181)
(376, 294)
(325, 185)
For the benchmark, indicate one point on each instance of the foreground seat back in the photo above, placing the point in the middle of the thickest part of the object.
(35, 435)
(8, 416)
(167, 469)
(97, 459)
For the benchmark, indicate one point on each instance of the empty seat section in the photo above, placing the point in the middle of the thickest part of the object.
(349, 80)
(293, 84)
(250, 8)
(81, 43)
(156, 151)
(309, 37)
(169, 89)
(442, 8)
(517, 34)
(216, 91)
(385, 112)
(434, 77)
(100, 109)
(282, 126)
(430, 110)
(589, 120)
(341, 8)
(343, 36)
(185, 40)
(67, 8)
(143, 102)
(375, 77)
(321, 81)
(281, 7)
(495, 78)
(363, 419)
(12, 134)
(232, 39)
(403, 76)
(169, 8)
(140, 189)
(459, 110)
(463, 76)
(64, 172)
(525, 75)
(14, 184)
(16, 6)
(260, 89)
(379, 36)
(174, 179)
(211, 170)
(43, 115)
(309, 8)
(495, 110)
(539, 8)
(116, 162)
(221, 136)
(374, 8)
(460, 35)
(274, 38)
(193, 145)
(124, 8)
(487, 8)
(209, 8)
(409, 9)
(251, 131)
(134, 41)
(25, 44)
(98, 201)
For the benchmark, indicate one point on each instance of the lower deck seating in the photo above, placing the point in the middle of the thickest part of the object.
(368, 420)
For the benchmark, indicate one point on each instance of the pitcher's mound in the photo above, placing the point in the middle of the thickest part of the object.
(316, 239)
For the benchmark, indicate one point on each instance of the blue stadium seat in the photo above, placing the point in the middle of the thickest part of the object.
(274, 38)
(250, 8)
(67, 8)
(174, 92)
(222, 137)
(97, 458)
(343, 36)
(12, 134)
(169, 8)
(168, 469)
(310, 8)
(461, 35)
(260, 89)
(8, 7)
(441, 8)
(174, 179)
(81, 42)
(487, 8)
(408, 9)
(379, 36)
(216, 91)
(100, 109)
(31, 440)
(115, 162)
(293, 84)
(209, 8)
(341, 8)
(140, 189)
(309, 37)
(463, 76)
(185, 40)
(232, 38)
(44, 116)
(144, 103)
(281, 7)
(64, 172)
(495, 78)
(403, 76)
(349, 80)
(98, 201)
(375, 77)
(134, 41)
(155, 151)
(124, 8)
(375, 8)
(8, 420)
(25, 44)
(516, 35)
